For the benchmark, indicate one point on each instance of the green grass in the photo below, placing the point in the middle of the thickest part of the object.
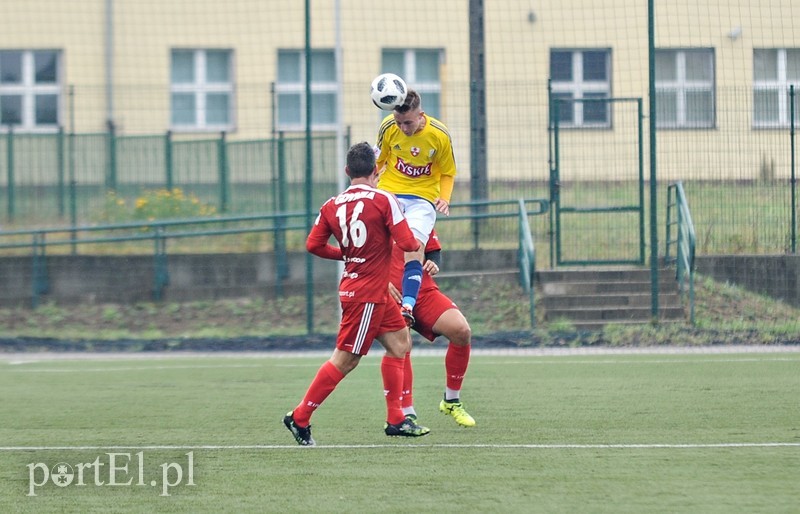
(701, 432)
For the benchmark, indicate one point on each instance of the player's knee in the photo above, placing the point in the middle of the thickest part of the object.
(344, 360)
(461, 335)
(397, 344)
(345, 366)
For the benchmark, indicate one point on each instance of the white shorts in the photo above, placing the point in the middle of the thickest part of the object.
(421, 216)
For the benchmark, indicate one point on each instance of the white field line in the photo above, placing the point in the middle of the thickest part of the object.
(20, 368)
(564, 446)
(38, 357)
(520, 357)
(128, 368)
(645, 361)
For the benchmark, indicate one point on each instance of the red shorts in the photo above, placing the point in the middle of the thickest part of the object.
(431, 304)
(363, 322)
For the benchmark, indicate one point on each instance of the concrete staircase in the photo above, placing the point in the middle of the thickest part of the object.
(592, 297)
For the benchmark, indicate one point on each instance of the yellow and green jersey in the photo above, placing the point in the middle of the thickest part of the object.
(421, 165)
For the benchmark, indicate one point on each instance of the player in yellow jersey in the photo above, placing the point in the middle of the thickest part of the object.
(415, 152)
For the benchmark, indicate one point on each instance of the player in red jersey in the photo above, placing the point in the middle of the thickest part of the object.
(436, 315)
(364, 220)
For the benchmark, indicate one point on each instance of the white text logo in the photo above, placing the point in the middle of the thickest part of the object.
(111, 469)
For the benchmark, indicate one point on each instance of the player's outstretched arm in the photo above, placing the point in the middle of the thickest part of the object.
(317, 244)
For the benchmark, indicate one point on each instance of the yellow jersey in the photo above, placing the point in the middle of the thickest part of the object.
(414, 165)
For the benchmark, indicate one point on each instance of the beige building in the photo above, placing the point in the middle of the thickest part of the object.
(200, 67)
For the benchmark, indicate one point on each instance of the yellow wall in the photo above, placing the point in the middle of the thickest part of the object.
(517, 60)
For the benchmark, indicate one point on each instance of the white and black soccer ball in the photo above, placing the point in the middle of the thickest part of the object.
(388, 91)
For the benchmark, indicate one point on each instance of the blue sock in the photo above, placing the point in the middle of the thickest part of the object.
(412, 280)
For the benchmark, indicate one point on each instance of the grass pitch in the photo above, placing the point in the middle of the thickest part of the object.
(571, 432)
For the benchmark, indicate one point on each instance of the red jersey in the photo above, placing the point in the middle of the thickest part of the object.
(364, 221)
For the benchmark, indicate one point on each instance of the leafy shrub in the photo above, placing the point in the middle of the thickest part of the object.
(155, 205)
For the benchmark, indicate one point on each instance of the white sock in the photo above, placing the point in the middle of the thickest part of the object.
(452, 394)
(409, 410)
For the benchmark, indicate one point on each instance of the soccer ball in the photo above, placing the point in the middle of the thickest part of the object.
(388, 91)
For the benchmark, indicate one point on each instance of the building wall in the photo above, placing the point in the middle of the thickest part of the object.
(517, 60)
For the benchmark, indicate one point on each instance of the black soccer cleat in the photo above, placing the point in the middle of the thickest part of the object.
(407, 428)
(301, 434)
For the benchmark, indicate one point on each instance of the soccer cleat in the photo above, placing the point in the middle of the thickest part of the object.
(412, 418)
(408, 314)
(405, 429)
(301, 434)
(456, 409)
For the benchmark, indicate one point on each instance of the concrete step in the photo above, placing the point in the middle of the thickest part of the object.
(591, 297)
(603, 287)
(612, 274)
(610, 314)
(607, 300)
(499, 273)
(594, 326)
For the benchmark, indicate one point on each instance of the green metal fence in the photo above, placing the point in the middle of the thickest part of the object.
(137, 237)
(67, 177)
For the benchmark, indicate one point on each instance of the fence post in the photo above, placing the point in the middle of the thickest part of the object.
(111, 176)
(160, 271)
(73, 185)
(281, 259)
(168, 160)
(640, 135)
(73, 193)
(651, 96)
(60, 165)
(10, 172)
(479, 188)
(792, 165)
(223, 173)
(39, 279)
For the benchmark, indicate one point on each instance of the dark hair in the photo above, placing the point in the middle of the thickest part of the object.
(360, 160)
(413, 101)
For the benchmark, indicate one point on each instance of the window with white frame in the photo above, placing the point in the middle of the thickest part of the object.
(685, 96)
(420, 68)
(581, 86)
(291, 85)
(201, 88)
(30, 90)
(774, 71)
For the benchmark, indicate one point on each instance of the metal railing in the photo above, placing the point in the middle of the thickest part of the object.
(679, 218)
(527, 259)
(37, 241)
(157, 232)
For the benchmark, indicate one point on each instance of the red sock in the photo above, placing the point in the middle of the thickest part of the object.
(326, 380)
(392, 373)
(408, 382)
(455, 364)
